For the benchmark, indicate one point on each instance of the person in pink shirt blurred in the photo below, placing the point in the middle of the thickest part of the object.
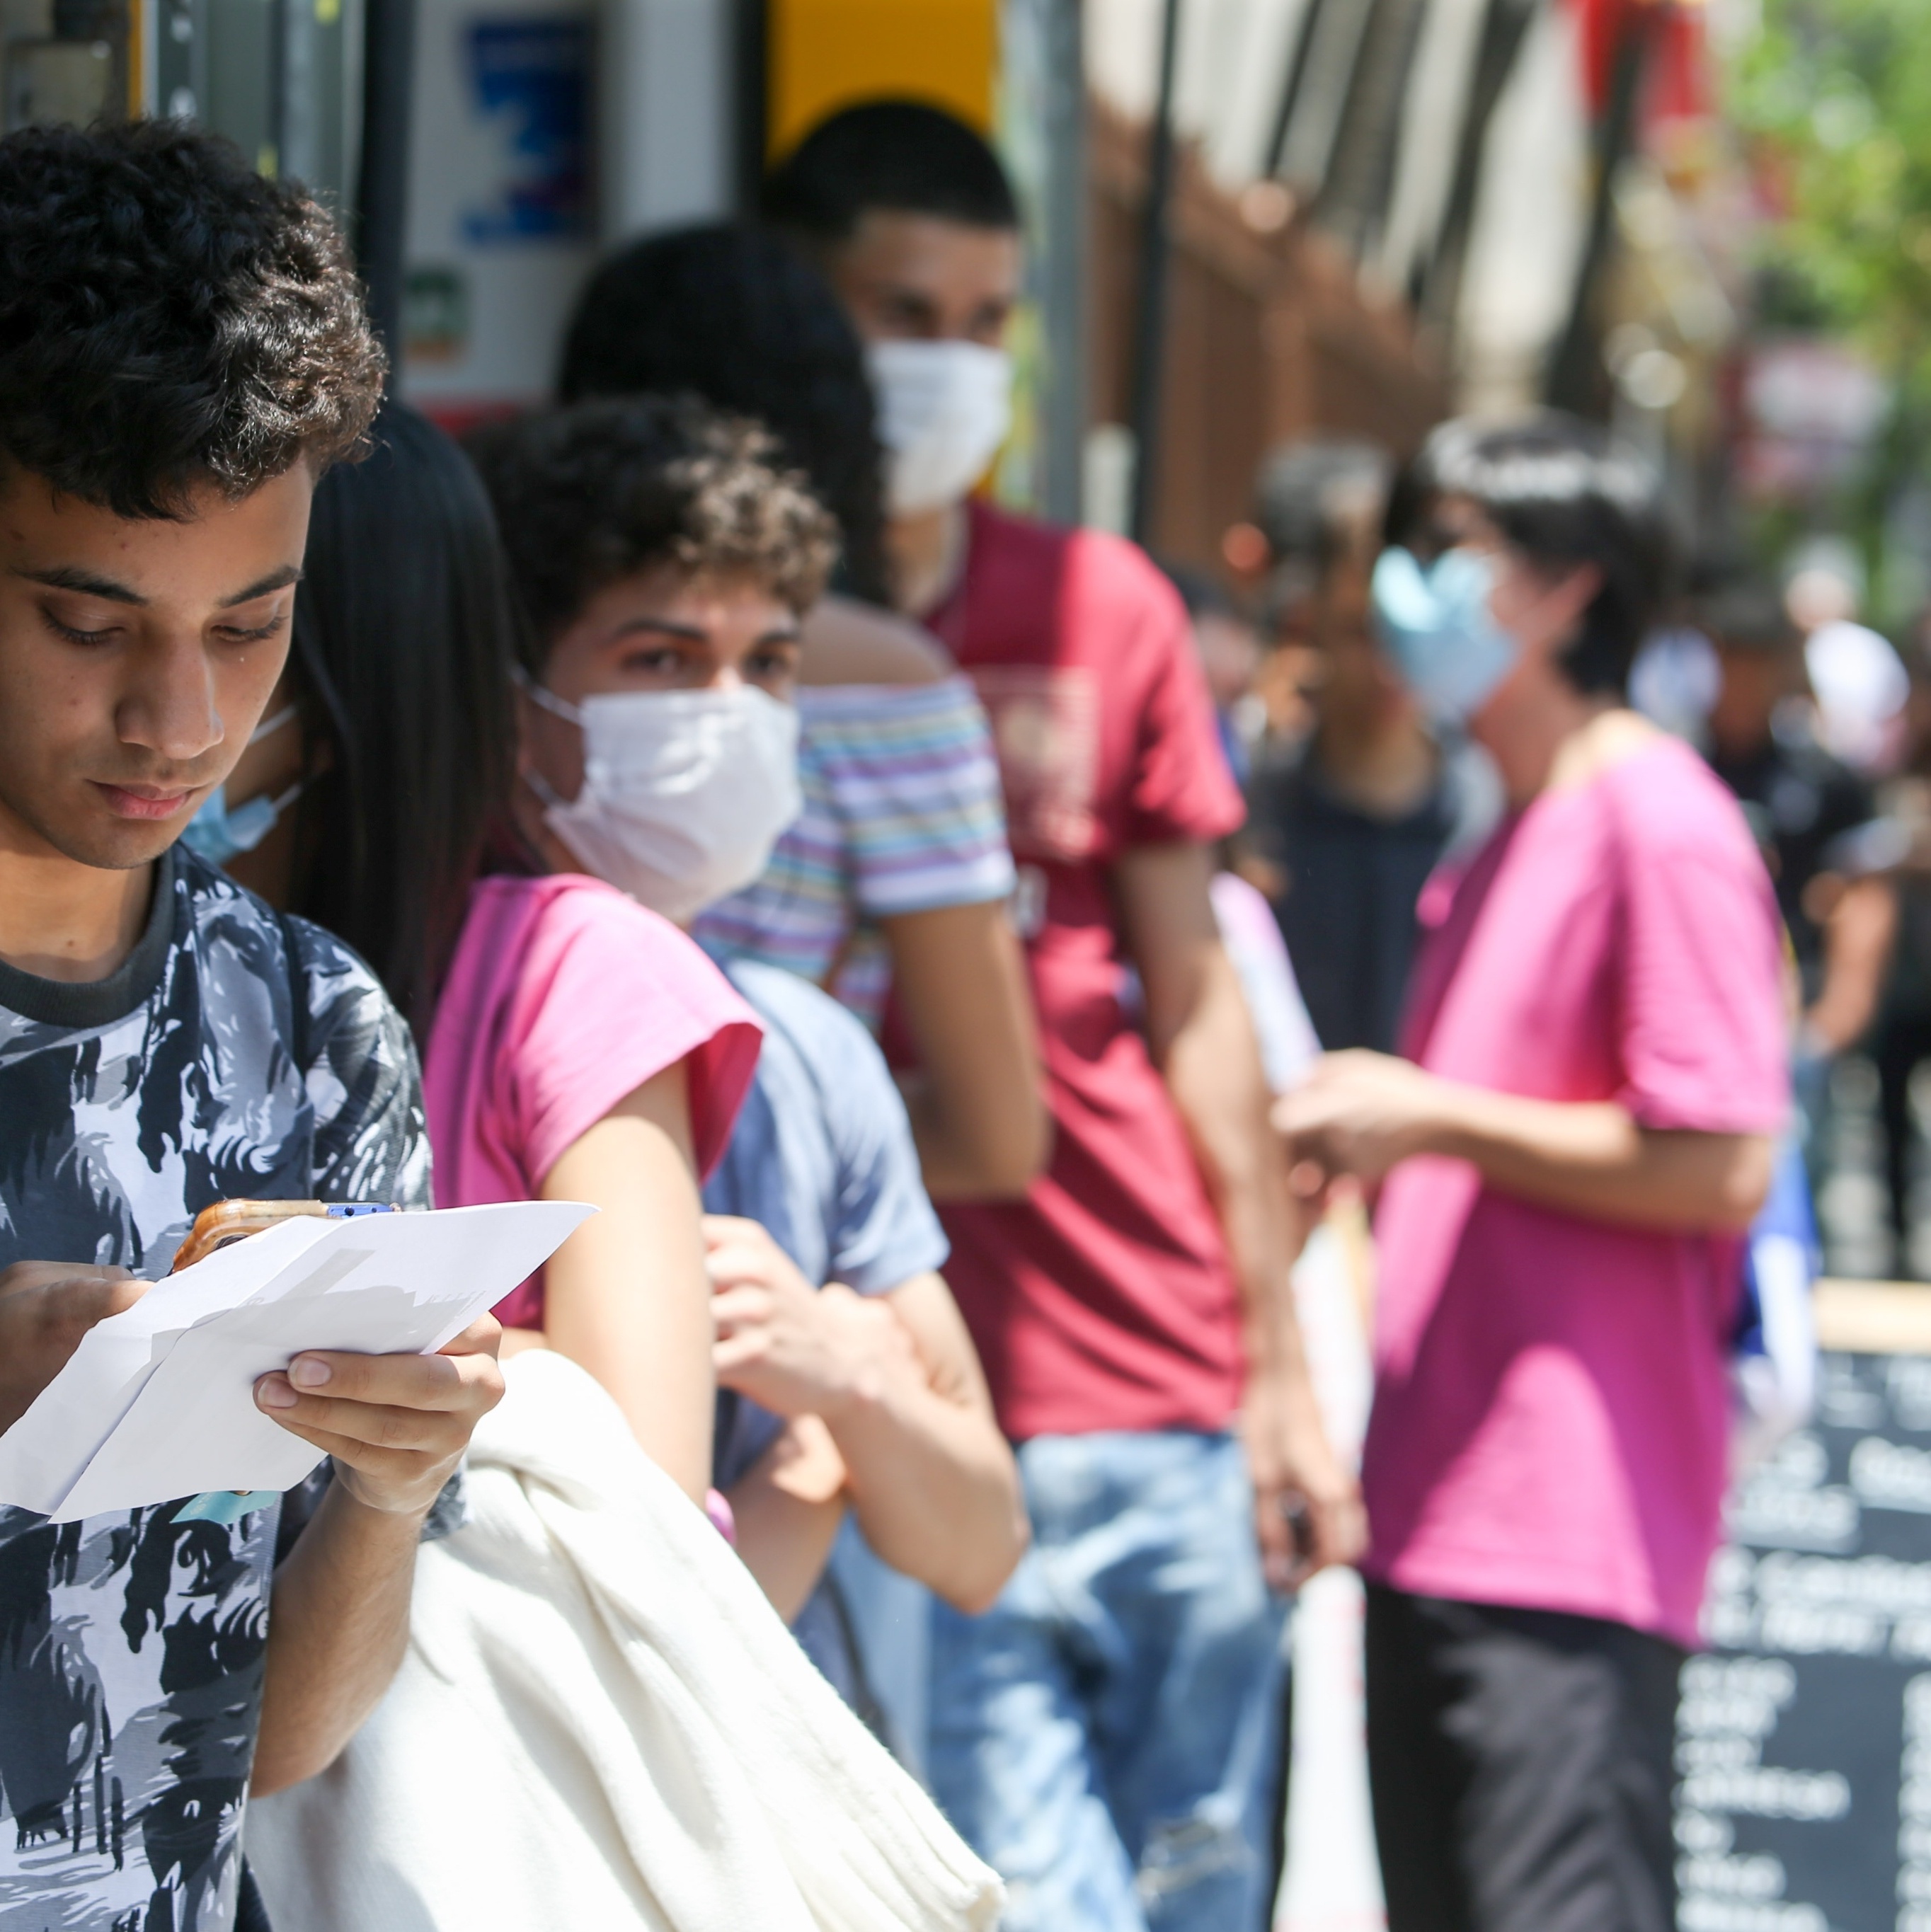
(1569, 1152)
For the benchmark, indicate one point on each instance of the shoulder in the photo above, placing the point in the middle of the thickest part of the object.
(1667, 805)
(831, 1040)
(533, 923)
(847, 643)
(859, 723)
(1103, 572)
(563, 954)
(236, 932)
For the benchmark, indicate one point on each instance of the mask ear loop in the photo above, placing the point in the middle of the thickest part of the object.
(269, 727)
(547, 794)
(540, 694)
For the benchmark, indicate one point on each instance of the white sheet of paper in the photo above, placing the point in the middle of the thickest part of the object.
(44, 1454)
(182, 1419)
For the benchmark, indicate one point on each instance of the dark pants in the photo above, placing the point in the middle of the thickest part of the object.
(1519, 1764)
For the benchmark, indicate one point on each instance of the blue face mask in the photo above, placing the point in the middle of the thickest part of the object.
(217, 834)
(1435, 620)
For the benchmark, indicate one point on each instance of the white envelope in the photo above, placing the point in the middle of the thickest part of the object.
(158, 1402)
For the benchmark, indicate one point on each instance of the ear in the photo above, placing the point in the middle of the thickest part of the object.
(1566, 598)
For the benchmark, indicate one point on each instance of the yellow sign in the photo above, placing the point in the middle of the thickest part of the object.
(824, 55)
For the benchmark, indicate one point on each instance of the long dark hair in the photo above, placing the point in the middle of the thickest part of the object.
(403, 642)
(736, 317)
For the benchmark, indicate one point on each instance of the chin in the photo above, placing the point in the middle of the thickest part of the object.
(115, 845)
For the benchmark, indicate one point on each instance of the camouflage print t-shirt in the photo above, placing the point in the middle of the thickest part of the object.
(235, 1054)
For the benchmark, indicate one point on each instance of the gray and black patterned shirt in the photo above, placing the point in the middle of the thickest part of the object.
(235, 1054)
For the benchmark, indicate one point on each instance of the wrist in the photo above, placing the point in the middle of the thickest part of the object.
(404, 1506)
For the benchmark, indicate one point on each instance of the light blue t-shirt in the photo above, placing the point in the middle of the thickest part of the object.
(822, 1155)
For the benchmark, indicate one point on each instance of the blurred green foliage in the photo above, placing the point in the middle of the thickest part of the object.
(1833, 101)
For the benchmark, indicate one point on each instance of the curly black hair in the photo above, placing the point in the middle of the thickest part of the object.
(734, 316)
(588, 495)
(170, 320)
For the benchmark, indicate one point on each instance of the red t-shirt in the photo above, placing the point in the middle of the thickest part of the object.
(1103, 1301)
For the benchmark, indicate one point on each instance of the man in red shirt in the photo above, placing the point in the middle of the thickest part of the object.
(1104, 1734)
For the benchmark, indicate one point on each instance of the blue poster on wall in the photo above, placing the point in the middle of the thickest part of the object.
(531, 79)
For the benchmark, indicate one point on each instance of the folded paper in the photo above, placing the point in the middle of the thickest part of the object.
(157, 1403)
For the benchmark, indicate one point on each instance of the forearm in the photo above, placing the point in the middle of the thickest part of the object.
(1212, 1068)
(1592, 1158)
(977, 1113)
(626, 1296)
(1858, 938)
(787, 1509)
(935, 1489)
(337, 1627)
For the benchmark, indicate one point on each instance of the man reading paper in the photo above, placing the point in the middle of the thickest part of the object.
(182, 353)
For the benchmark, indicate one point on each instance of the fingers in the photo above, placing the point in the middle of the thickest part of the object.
(483, 1336)
(415, 1406)
(1340, 1530)
(441, 1382)
(721, 1230)
(741, 1307)
(1280, 1563)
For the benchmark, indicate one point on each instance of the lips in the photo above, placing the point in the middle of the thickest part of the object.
(145, 803)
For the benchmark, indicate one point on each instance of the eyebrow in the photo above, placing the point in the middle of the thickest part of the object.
(90, 583)
(693, 634)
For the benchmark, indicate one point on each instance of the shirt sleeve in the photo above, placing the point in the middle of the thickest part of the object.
(884, 1230)
(1704, 1025)
(612, 996)
(371, 1138)
(1181, 787)
(915, 787)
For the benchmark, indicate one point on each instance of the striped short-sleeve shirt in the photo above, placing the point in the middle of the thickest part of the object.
(901, 814)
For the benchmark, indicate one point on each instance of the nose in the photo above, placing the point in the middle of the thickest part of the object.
(169, 706)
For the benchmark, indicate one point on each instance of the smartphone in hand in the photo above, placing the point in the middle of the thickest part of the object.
(227, 1222)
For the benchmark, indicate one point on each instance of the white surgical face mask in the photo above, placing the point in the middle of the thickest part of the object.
(684, 792)
(944, 410)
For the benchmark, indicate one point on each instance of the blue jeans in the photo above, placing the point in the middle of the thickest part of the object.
(1105, 1735)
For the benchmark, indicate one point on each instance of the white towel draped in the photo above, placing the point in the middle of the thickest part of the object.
(601, 1722)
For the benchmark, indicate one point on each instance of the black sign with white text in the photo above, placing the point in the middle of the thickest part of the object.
(1803, 1739)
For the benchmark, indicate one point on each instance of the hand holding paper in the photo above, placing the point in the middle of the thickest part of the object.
(158, 1402)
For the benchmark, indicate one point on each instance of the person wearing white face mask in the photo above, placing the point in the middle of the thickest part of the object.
(1136, 1303)
(659, 754)
(579, 1045)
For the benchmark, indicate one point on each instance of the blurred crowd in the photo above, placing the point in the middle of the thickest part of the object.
(960, 961)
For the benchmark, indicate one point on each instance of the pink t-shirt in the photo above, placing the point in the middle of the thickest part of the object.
(563, 997)
(1551, 1410)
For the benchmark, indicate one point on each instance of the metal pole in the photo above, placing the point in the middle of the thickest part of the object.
(382, 181)
(1063, 282)
(1575, 376)
(1150, 329)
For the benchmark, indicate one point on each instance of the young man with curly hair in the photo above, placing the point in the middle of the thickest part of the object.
(182, 352)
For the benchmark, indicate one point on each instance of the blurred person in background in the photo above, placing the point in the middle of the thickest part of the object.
(1901, 1040)
(896, 872)
(1351, 819)
(1855, 674)
(1816, 819)
(1227, 642)
(1568, 1158)
(1104, 1734)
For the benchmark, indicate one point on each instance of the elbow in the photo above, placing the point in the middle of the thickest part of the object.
(276, 1770)
(1746, 1185)
(976, 1587)
(1008, 1160)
